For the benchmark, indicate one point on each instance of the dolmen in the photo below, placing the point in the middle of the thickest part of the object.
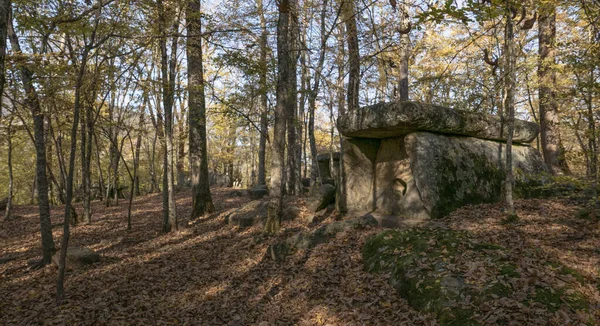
(414, 160)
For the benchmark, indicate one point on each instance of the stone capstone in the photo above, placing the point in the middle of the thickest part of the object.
(394, 119)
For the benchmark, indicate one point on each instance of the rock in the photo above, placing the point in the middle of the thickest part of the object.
(325, 166)
(290, 213)
(450, 172)
(258, 192)
(254, 212)
(359, 158)
(394, 119)
(320, 215)
(424, 175)
(323, 197)
(77, 257)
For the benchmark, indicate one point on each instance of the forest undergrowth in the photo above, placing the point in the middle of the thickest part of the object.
(209, 273)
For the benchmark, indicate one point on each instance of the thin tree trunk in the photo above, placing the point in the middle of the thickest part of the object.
(101, 184)
(168, 66)
(86, 155)
(292, 180)
(9, 166)
(509, 105)
(264, 109)
(353, 56)
(32, 101)
(231, 153)
(273, 222)
(404, 51)
(4, 16)
(69, 191)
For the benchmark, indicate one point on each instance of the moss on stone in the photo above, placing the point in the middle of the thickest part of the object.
(422, 263)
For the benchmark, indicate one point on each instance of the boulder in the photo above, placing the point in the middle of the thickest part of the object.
(396, 119)
(323, 197)
(424, 175)
(77, 257)
(254, 212)
(290, 212)
(258, 192)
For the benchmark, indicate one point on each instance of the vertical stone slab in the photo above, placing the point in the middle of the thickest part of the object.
(359, 162)
(395, 191)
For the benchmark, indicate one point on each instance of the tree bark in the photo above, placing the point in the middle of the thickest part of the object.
(32, 101)
(69, 191)
(264, 108)
(201, 197)
(554, 153)
(9, 199)
(279, 128)
(293, 169)
(168, 66)
(509, 105)
(404, 52)
(4, 16)
(353, 56)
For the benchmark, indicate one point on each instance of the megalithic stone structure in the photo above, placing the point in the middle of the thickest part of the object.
(422, 161)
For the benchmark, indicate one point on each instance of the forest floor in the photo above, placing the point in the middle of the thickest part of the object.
(209, 273)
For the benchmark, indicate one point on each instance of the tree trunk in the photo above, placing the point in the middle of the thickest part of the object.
(231, 153)
(353, 56)
(282, 93)
(404, 52)
(264, 108)
(509, 105)
(4, 16)
(86, 160)
(9, 165)
(552, 148)
(32, 101)
(168, 73)
(201, 198)
(69, 191)
(293, 168)
(341, 104)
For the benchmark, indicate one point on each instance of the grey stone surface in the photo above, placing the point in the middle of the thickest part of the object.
(424, 175)
(395, 119)
(77, 256)
(358, 159)
(254, 212)
(323, 197)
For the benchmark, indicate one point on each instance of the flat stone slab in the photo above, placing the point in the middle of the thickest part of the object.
(395, 119)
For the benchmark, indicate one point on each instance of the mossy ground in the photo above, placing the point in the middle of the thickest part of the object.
(451, 274)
